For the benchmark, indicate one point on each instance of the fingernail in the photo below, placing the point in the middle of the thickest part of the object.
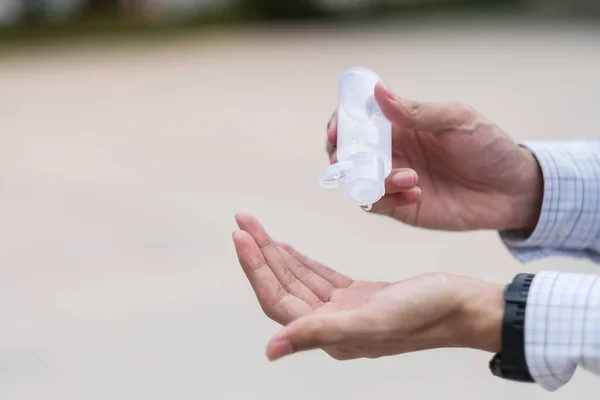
(280, 349)
(404, 179)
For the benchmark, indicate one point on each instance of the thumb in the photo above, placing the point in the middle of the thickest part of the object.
(426, 116)
(311, 332)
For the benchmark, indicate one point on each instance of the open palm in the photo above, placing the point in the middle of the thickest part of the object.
(348, 319)
(290, 285)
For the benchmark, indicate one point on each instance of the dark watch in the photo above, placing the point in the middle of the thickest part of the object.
(510, 363)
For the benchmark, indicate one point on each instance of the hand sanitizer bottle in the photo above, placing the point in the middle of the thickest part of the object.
(364, 140)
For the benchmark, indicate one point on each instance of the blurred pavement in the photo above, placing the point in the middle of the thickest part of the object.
(121, 167)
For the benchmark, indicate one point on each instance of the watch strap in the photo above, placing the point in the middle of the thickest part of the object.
(510, 363)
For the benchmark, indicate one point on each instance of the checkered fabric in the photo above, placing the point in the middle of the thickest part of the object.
(562, 321)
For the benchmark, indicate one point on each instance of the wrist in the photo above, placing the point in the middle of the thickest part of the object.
(527, 204)
(479, 319)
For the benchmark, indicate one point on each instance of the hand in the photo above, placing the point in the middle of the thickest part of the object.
(353, 319)
(470, 173)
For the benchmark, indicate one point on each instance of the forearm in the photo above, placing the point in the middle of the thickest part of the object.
(478, 324)
(562, 324)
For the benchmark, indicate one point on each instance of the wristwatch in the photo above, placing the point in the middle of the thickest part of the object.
(510, 363)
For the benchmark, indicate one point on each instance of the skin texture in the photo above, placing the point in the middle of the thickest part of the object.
(453, 169)
(323, 309)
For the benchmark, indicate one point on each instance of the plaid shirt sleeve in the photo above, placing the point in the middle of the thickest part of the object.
(562, 321)
(569, 222)
(562, 327)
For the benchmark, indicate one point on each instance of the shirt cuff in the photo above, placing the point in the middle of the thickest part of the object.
(570, 214)
(562, 319)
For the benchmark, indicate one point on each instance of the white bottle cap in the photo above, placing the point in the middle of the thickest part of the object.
(363, 176)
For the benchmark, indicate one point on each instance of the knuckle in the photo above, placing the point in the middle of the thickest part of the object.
(413, 109)
(264, 242)
(270, 307)
(458, 114)
(287, 279)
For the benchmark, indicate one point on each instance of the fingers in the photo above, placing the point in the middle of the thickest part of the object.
(275, 262)
(331, 152)
(334, 278)
(332, 138)
(400, 189)
(401, 180)
(311, 332)
(277, 304)
(332, 129)
(426, 116)
(392, 201)
(317, 284)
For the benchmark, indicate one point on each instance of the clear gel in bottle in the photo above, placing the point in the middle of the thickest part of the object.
(364, 140)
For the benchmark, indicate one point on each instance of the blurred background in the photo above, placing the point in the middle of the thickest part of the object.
(131, 132)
